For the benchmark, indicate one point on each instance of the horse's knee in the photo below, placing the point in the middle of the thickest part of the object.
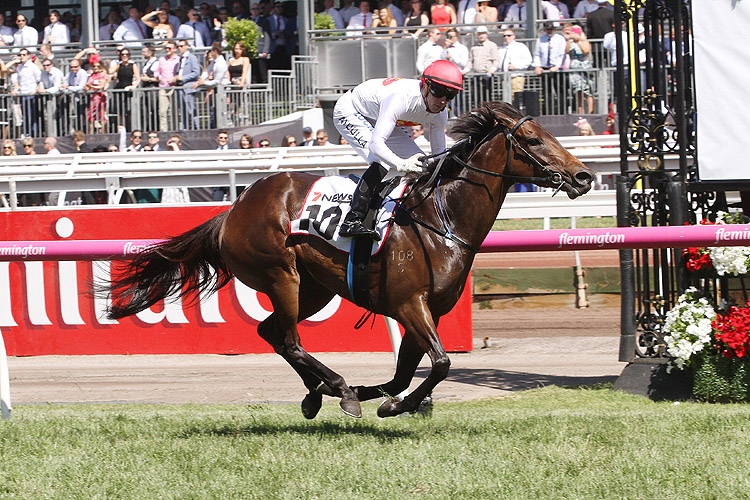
(440, 367)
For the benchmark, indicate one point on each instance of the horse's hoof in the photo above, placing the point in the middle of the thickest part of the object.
(311, 405)
(388, 408)
(351, 407)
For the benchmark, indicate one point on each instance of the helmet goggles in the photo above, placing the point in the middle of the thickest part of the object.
(441, 91)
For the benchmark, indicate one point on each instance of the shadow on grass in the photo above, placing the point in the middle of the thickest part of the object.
(516, 381)
(312, 428)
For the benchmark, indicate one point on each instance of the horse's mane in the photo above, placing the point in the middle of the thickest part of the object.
(479, 121)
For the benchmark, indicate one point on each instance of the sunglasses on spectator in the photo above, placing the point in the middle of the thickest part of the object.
(440, 92)
(113, 150)
(28, 145)
(7, 147)
(46, 65)
(264, 144)
(153, 136)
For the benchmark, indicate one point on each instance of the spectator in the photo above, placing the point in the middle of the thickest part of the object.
(188, 71)
(416, 17)
(363, 18)
(239, 66)
(584, 8)
(307, 137)
(259, 73)
(578, 50)
(517, 14)
(27, 143)
(126, 76)
(220, 193)
(485, 12)
(194, 31)
(151, 64)
(429, 51)
(174, 143)
(6, 34)
(599, 22)
(106, 31)
(45, 52)
(610, 121)
(159, 23)
(25, 35)
(136, 141)
(455, 51)
(282, 38)
(549, 51)
(338, 21)
(131, 29)
(216, 71)
(442, 12)
(502, 8)
(396, 12)
(238, 11)
(153, 141)
(96, 85)
(218, 31)
(554, 9)
(417, 133)
(246, 141)
(50, 146)
(173, 20)
(289, 141)
(264, 143)
(514, 58)
(483, 62)
(467, 11)
(79, 141)
(385, 21)
(51, 79)
(548, 58)
(56, 33)
(25, 85)
(584, 127)
(347, 11)
(165, 73)
(75, 100)
(321, 138)
(9, 147)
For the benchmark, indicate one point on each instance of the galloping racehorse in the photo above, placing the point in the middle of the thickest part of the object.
(438, 226)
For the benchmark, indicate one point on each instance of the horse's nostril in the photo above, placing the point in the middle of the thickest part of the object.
(583, 177)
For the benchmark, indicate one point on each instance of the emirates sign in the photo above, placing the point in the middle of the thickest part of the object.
(45, 307)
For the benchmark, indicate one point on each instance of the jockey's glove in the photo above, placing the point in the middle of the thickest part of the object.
(411, 164)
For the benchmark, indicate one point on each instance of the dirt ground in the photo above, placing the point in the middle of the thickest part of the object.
(529, 344)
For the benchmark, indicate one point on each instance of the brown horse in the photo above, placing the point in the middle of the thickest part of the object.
(438, 228)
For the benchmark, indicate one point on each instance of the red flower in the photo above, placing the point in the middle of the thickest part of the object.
(731, 332)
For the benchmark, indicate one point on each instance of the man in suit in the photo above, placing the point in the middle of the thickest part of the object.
(195, 31)
(222, 141)
(188, 71)
(259, 73)
(131, 28)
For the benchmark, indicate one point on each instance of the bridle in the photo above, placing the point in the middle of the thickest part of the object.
(510, 135)
(454, 153)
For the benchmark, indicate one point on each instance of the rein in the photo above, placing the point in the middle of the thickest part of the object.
(453, 153)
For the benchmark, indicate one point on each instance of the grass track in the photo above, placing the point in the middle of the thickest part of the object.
(547, 443)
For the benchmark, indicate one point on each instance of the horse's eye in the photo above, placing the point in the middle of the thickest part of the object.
(533, 142)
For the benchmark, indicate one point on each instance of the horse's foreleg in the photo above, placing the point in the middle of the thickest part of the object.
(409, 355)
(416, 318)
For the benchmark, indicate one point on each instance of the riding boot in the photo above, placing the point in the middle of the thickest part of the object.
(353, 222)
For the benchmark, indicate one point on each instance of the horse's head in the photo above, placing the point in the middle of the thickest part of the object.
(534, 154)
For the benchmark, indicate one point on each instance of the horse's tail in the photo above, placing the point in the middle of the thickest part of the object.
(178, 266)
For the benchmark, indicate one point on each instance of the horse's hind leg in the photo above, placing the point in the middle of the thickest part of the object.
(409, 355)
(293, 301)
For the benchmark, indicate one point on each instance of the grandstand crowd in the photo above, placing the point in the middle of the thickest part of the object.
(178, 55)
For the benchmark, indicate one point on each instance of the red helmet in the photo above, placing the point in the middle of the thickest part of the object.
(444, 73)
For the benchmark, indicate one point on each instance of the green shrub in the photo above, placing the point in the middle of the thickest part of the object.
(245, 31)
(718, 379)
(324, 22)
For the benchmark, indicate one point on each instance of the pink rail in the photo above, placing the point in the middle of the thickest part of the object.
(496, 241)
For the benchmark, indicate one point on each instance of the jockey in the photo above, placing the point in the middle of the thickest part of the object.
(372, 117)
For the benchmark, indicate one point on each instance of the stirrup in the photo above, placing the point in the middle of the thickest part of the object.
(356, 228)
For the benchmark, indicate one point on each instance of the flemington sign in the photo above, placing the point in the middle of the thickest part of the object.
(49, 266)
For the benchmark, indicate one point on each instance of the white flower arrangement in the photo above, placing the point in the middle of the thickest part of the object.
(688, 327)
(730, 260)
